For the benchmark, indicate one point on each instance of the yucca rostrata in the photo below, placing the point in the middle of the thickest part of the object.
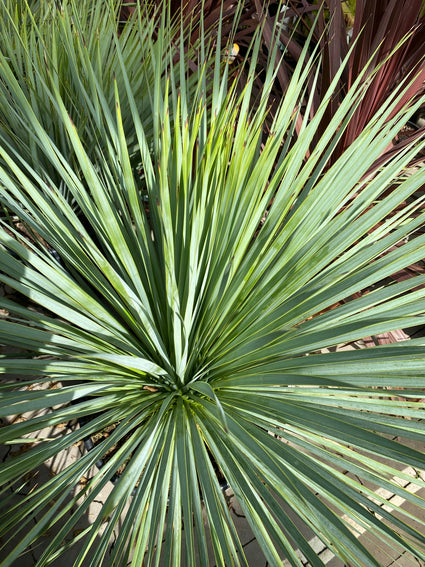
(189, 312)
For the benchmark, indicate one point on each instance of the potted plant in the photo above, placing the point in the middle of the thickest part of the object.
(190, 310)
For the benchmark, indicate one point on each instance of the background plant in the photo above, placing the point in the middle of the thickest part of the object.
(186, 320)
(370, 29)
(51, 46)
(377, 34)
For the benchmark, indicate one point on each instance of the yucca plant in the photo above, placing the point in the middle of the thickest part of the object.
(72, 47)
(191, 320)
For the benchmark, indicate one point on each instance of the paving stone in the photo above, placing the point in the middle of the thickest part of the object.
(413, 509)
(255, 555)
(383, 553)
(335, 562)
(406, 560)
(241, 523)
